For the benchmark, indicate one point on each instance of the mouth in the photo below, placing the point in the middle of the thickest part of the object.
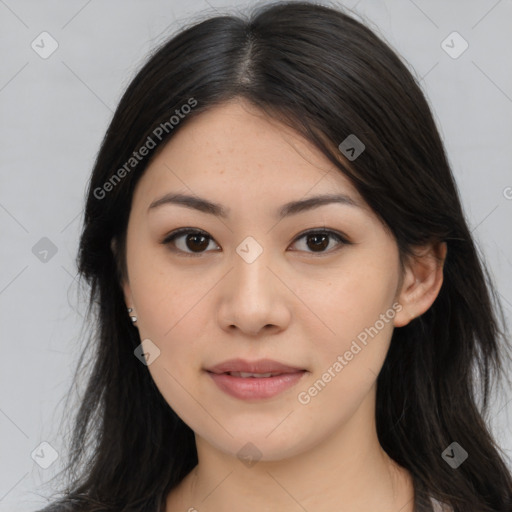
(246, 375)
(255, 380)
(261, 368)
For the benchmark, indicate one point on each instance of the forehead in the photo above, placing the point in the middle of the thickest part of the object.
(235, 149)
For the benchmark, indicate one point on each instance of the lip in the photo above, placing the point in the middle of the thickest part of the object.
(258, 366)
(255, 388)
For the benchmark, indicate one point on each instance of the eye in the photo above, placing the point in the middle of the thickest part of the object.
(318, 240)
(195, 240)
(192, 242)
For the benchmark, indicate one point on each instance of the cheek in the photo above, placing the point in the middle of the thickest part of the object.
(173, 316)
(348, 362)
(169, 302)
(358, 309)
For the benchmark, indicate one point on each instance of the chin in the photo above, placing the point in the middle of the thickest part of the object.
(253, 444)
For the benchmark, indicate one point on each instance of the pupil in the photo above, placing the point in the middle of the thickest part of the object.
(194, 239)
(321, 245)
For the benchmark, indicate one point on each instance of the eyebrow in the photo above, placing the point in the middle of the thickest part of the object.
(291, 208)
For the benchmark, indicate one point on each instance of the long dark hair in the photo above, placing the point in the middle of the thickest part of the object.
(328, 76)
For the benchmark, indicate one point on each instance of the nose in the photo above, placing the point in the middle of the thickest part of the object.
(253, 299)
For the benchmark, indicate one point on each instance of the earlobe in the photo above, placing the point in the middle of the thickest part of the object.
(422, 281)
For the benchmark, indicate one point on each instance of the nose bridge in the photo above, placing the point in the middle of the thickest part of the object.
(250, 298)
(251, 276)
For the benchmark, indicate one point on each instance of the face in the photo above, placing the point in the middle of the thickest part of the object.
(315, 288)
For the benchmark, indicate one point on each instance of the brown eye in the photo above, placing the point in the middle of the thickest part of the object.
(196, 242)
(192, 242)
(319, 241)
(188, 241)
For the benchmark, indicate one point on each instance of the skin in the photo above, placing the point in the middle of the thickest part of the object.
(293, 304)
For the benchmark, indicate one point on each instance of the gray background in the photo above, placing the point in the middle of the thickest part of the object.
(55, 111)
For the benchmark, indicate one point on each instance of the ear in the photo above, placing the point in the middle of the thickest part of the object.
(421, 282)
(123, 282)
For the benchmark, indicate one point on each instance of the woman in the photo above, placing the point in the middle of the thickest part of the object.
(289, 302)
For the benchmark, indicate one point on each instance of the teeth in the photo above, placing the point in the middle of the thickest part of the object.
(256, 375)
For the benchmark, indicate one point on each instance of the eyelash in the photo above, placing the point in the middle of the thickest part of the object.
(171, 237)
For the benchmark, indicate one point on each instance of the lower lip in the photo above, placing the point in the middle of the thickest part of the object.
(254, 388)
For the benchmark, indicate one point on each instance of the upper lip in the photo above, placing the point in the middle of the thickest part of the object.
(259, 366)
